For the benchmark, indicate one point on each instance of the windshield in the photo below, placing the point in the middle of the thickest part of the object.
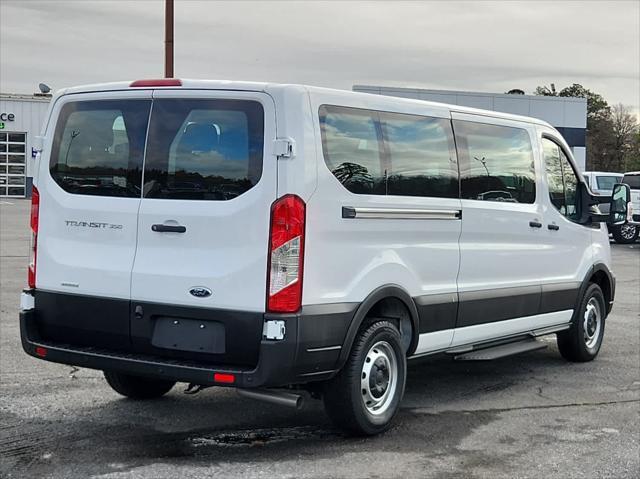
(607, 182)
(633, 181)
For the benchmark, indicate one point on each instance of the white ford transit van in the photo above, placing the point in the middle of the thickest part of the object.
(276, 238)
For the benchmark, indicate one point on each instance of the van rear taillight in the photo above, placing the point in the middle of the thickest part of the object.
(286, 255)
(156, 82)
(35, 217)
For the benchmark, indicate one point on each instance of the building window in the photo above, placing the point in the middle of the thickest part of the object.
(12, 164)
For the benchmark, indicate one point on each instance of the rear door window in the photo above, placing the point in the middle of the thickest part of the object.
(98, 147)
(203, 149)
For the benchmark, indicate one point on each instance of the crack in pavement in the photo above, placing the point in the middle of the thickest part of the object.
(523, 408)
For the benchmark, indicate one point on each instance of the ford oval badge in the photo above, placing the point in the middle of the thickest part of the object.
(200, 292)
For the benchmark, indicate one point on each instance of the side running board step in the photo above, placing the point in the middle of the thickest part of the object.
(501, 351)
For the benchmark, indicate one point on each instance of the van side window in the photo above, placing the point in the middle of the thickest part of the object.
(422, 158)
(561, 179)
(351, 142)
(98, 147)
(496, 162)
(203, 149)
(382, 153)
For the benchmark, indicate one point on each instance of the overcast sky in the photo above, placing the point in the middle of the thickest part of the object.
(473, 46)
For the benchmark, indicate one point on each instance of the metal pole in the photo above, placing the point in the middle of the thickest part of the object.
(168, 39)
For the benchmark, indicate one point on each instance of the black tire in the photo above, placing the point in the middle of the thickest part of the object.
(625, 234)
(137, 387)
(343, 395)
(579, 343)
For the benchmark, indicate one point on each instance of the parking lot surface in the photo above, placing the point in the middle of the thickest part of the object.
(533, 415)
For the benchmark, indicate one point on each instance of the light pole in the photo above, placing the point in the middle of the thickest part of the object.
(168, 39)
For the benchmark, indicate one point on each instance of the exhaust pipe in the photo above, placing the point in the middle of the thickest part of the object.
(275, 397)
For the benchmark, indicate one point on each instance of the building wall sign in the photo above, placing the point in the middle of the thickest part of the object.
(6, 117)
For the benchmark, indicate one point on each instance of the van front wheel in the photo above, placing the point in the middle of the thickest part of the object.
(582, 341)
(137, 387)
(365, 395)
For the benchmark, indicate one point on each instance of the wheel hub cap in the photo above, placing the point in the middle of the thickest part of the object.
(592, 323)
(379, 378)
(627, 231)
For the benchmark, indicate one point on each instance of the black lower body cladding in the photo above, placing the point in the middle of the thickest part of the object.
(184, 343)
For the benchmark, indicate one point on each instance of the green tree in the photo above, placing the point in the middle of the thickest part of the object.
(601, 147)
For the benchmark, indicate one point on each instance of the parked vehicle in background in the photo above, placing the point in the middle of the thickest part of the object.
(278, 238)
(628, 233)
(601, 183)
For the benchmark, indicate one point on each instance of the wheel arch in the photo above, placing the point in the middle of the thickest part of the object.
(392, 300)
(601, 275)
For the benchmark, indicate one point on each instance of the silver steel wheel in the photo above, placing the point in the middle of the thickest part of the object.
(592, 324)
(628, 231)
(379, 378)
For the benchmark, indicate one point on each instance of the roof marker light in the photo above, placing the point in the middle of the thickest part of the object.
(156, 82)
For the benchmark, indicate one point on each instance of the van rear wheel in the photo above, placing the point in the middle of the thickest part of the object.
(137, 387)
(365, 395)
(582, 341)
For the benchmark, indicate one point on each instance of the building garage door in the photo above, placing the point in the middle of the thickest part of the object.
(13, 164)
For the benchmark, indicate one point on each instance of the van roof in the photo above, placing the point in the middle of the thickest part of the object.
(266, 87)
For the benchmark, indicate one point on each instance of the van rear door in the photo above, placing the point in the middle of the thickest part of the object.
(89, 185)
(203, 227)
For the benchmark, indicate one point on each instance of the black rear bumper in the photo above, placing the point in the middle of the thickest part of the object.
(309, 352)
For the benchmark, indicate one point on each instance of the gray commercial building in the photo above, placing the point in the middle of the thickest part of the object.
(21, 119)
(567, 115)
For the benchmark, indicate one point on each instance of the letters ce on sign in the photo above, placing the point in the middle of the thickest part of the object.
(6, 117)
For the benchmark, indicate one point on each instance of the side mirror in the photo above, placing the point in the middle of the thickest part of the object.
(620, 204)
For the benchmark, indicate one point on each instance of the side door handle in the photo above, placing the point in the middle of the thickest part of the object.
(535, 224)
(169, 228)
(553, 227)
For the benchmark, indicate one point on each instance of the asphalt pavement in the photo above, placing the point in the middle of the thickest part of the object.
(527, 416)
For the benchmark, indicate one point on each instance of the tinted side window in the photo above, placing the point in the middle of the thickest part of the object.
(98, 147)
(203, 149)
(562, 180)
(496, 162)
(422, 159)
(351, 143)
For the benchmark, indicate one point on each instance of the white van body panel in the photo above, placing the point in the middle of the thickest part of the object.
(348, 259)
(224, 247)
(86, 243)
(569, 251)
(419, 244)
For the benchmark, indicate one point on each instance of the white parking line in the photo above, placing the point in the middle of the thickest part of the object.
(5, 203)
